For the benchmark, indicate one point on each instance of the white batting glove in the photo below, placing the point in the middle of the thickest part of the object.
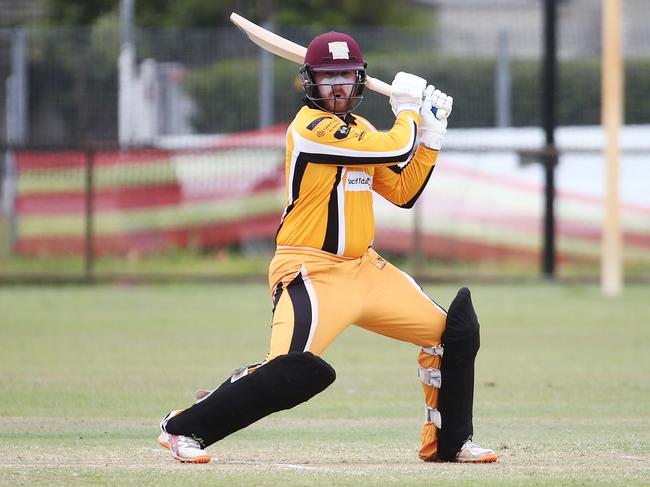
(433, 130)
(406, 92)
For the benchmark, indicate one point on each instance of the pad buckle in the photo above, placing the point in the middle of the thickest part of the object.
(434, 350)
(244, 370)
(431, 377)
(433, 416)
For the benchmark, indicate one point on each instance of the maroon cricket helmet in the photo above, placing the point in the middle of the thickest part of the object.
(334, 51)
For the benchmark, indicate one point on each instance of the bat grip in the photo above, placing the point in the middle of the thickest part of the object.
(380, 86)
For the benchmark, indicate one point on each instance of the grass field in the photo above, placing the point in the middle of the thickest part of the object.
(86, 373)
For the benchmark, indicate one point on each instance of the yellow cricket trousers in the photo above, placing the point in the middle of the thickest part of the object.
(317, 295)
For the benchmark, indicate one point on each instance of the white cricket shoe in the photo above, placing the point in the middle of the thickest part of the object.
(185, 449)
(470, 452)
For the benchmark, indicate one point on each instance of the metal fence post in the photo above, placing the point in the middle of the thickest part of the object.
(266, 92)
(8, 178)
(89, 247)
(549, 122)
(17, 89)
(503, 81)
(126, 118)
(16, 134)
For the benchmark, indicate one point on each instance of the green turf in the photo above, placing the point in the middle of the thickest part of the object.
(86, 373)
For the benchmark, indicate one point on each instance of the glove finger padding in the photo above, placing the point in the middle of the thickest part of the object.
(442, 101)
(429, 91)
(432, 130)
(406, 92)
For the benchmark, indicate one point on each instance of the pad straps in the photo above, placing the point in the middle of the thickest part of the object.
(431, 377)
(434, 350)
(433, 416)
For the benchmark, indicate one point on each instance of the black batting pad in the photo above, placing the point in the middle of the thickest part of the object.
(461, 341)
(282, 383)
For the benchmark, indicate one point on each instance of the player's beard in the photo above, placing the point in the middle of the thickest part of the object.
(337, 98)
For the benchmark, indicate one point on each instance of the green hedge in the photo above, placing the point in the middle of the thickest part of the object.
(227, 92)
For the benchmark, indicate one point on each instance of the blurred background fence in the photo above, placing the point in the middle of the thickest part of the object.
(163, 156)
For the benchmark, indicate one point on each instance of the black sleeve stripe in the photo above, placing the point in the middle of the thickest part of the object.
(365, 160)
(352, 161)
(411, 202)
(397, 169)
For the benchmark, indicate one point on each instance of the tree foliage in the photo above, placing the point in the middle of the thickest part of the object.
(78, 12)
(210, 13)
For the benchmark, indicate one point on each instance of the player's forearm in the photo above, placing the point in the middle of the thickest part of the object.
(403, 187)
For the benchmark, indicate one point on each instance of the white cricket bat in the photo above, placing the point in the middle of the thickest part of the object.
(295, 52)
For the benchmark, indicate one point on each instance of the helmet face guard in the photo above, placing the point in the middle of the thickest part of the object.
(322, 93)
(333, 52)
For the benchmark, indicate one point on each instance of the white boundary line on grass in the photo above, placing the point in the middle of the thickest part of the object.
(175, 466)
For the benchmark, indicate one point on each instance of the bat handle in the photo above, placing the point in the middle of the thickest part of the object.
(382, 87)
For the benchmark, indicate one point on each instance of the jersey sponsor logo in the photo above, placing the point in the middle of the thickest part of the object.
(358, 181)
(313, 124)
(331, 125)
(339, 50)
(342, 133)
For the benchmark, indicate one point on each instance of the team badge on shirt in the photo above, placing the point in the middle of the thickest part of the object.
(342, 133)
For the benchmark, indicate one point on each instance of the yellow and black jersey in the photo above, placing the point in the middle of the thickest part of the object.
(332, 167)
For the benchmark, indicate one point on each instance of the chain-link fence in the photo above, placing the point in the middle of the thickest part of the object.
(148, 159)
(213, 209)
(210, 80)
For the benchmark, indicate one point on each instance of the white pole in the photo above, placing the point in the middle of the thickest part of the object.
(266, 95)
(503, 81)
(612, 117)
(126, 68)
(16, 126)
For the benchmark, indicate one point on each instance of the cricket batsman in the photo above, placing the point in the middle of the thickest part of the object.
(325, 275)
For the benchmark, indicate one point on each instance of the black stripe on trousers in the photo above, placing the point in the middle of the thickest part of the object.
(276, 296)
(331, 241)
(301, 314)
